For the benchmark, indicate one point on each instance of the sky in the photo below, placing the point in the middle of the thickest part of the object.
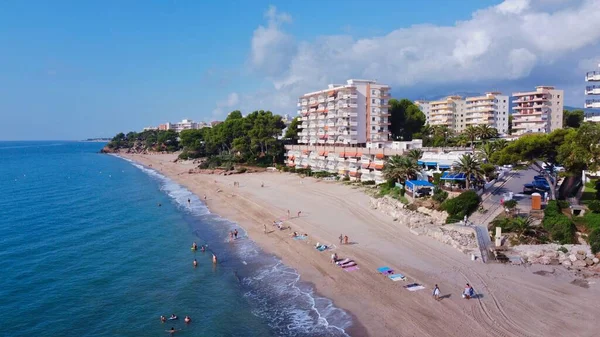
(79, 69)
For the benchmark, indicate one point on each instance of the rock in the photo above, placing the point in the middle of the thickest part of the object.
(573, 257)
(596, 260)
(579, 263)
(581, 252)
(589, 262)
(567, 263)
(580, 256)
(551, 254)
(545, 260)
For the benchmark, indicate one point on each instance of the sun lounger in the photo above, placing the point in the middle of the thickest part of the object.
(397, 277)
(353, 268)
(322, 248)
(346, 263)
(349, 264)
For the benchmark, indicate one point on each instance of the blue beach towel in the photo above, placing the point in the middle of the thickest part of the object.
(383, 269)
(302, 237)
(397, 277)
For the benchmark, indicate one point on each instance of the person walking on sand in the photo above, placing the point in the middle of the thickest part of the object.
(265, 228)
(205, 197)
(299, 212)
(436, 293)
(341, 238)
(289, 214)
(345, 239)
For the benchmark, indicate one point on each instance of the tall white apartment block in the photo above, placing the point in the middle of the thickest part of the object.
(490, 109)
(355, 113)
(445, 112)
(538, 111)
(593, 89)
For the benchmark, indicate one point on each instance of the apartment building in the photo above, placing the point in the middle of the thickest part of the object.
(457, 113)
(185, 124)
(592, 89)
(355, 113)
(537, 111)
(490, 109)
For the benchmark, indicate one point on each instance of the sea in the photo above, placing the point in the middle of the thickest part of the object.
(95, 245)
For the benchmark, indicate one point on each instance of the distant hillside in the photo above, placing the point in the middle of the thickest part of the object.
(587, 111)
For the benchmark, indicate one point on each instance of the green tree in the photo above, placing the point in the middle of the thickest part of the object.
(292, 130)
(415, 154)
(168, 140)
(580, 149)
(486, 151)
(573, 119)
(485, 131)
(400, 168)
(468, 165)
(471, 133)
(405, 119)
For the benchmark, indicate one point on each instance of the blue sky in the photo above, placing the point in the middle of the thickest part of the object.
(78, 69)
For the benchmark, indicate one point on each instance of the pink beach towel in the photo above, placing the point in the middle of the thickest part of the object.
(351, 268)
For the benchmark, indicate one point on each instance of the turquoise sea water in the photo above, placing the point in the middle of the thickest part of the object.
(85, 250)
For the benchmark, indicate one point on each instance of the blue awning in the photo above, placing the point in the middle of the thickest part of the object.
(444, 166)
(420, 162)
(453, 176)
(412, 184)
(431, 163)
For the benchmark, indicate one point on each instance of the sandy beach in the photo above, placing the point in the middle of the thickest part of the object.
(513, 300)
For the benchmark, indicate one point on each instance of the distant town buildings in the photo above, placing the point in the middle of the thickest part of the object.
(355, 113)
(592, 89)
(457, 113)
(539, 111)
(185, 124)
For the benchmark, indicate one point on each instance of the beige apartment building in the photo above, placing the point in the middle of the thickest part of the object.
(539, 111)
(456, 112)
(355, 114)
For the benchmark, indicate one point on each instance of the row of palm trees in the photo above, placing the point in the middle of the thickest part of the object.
(402, 168)
(468, 136)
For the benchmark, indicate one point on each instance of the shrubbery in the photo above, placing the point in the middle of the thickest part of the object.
(594, 240)
(594, 206)
(560, 227)
(439, 195)
(465, 204)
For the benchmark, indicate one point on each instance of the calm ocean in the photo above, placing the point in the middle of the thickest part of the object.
(86, 251)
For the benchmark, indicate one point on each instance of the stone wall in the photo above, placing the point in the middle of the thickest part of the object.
(577, 256)
(428, 222)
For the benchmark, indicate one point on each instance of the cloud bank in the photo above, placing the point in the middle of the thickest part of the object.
(513, 42)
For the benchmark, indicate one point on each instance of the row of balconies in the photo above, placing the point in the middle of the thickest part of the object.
(592, 76)
(532, 98)
(592, 90)
(592, 104)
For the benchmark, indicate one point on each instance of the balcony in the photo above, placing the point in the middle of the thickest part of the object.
(353, 124)
(592, 104)
(529, 113)
(592, 90)
(304, 102)
(592, 76)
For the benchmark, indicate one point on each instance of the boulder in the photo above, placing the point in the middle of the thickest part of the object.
(573, 257)
(545, 260)
(581, 252)
(567, 263)
(596, 260)
(580, 256)
(589, 262)
(551, 254)
(579, 263)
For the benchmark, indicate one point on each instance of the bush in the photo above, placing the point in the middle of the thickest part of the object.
(594, 240)
(184, 155)
(242, 170)
(465, 204)
(439, 195)
(489, 170)
(594, 206)
(564, 204)
(346, 178)
(368, 182)
(510, 204)
(437, 177)
(560, 227)
(563, 249)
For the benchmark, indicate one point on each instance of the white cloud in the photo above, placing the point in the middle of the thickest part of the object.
(226, 105)
(508, 43)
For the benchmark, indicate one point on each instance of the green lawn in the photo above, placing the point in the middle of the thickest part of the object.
(589, 193)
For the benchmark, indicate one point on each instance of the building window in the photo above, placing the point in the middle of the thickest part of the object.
(557, 96)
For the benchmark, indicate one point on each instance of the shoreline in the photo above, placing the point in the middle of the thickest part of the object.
(378, 306)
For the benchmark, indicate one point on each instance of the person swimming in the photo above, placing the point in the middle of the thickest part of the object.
(202, 249)
(194, 246)
(163, 318)
(172, 331)
(235, 233)
(195, 263)
(187, 319)
(173, 316)
(214, 258)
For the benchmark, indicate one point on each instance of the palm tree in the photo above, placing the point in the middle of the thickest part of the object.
(521, 226)
(400, 168)
(471, 132)
(468, 165)
(461, 140)
(485, 131)
(486, 151)
(415, 154)
(500, 144)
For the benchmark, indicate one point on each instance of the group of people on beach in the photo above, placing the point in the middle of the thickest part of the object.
(343, 239)
(233, 235)
(467, 293)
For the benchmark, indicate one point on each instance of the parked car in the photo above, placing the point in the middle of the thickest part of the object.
(542, 178)
(541, 185)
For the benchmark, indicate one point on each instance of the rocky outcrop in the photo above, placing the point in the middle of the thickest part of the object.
(428, 222)
(107, 149)
(571, 256)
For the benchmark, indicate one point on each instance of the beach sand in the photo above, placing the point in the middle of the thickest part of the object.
(513, 300)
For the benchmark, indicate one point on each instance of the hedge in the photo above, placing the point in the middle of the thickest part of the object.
(464, 204)
(558, 225)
